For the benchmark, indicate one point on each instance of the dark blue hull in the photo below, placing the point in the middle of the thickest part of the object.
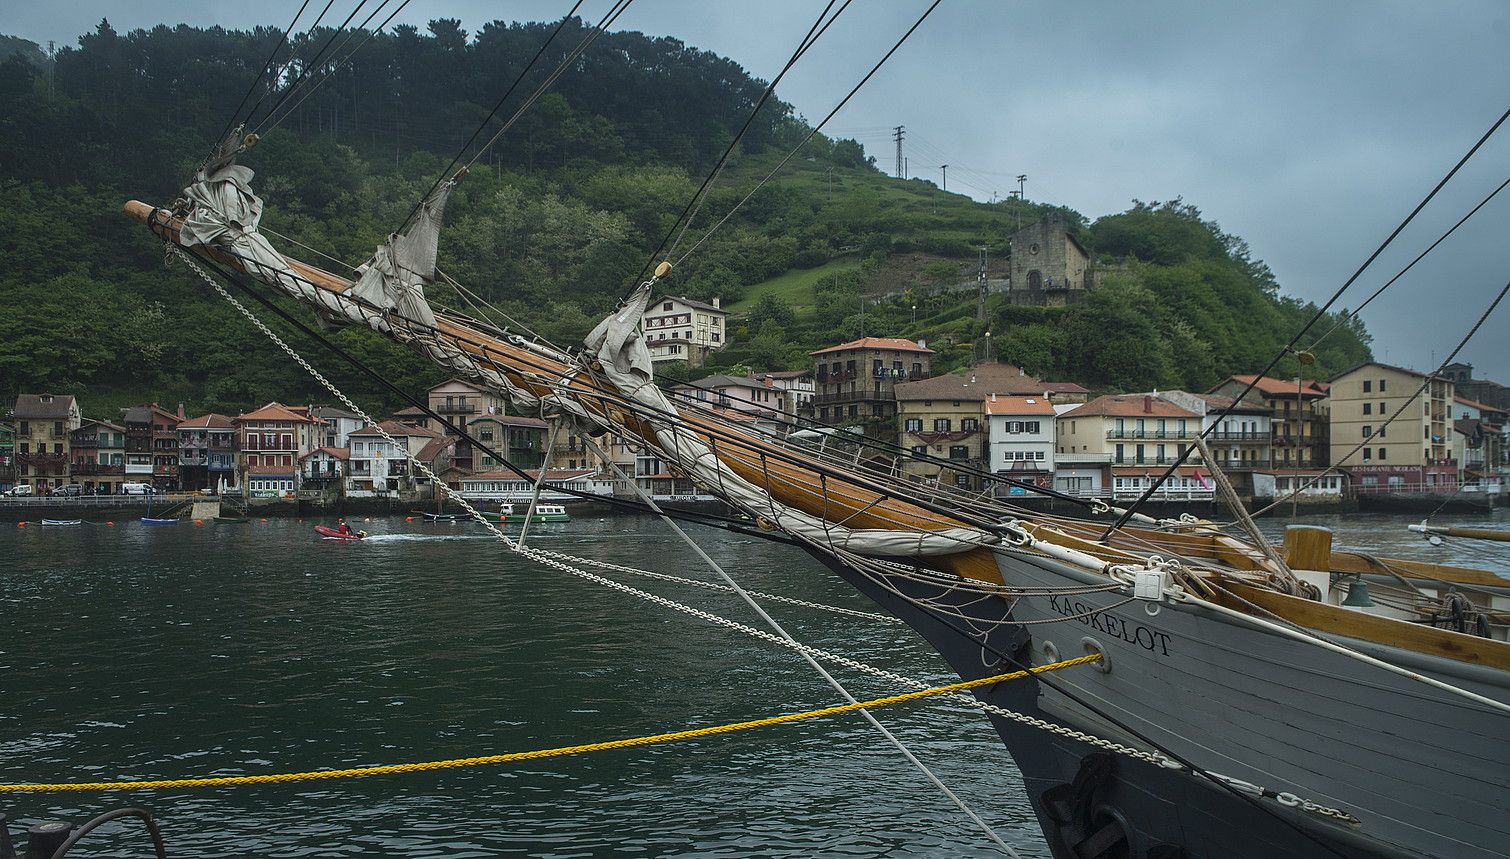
(1092, 804)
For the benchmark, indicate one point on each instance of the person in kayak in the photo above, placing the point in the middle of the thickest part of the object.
(344, 528)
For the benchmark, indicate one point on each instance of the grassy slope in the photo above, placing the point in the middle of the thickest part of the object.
(794, 287)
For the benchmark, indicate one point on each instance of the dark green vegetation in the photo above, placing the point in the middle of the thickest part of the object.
(553, 224)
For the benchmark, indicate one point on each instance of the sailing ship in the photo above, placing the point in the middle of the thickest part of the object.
(1243, 704)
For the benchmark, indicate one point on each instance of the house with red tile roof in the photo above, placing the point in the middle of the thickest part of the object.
(855, 380)
(271, 440)
(1299, 426)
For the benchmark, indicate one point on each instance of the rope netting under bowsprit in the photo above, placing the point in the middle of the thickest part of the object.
(539, 754)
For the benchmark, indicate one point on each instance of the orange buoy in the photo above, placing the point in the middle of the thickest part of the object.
(500, 518)
(264, 521)
(408, 518)
(198, 521)
(109, 524)
(20, 524)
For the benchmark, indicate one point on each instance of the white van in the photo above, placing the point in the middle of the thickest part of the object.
(137, 489)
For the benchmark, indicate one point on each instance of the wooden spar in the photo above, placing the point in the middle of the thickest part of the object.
(1467, 533)
(794, 480)
(752, 458)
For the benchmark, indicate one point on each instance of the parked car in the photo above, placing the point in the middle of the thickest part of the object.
(20, 490)
(137, 489)
(70, 490)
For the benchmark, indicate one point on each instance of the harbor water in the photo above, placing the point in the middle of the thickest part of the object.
(135, 652)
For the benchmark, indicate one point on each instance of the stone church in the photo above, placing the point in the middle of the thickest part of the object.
(1049, 266)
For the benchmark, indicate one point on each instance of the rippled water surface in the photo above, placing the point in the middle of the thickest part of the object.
(138, 652)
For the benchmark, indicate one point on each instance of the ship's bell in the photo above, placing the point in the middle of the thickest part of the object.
(1358, 595)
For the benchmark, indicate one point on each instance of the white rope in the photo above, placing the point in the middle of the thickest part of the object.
(822, 672)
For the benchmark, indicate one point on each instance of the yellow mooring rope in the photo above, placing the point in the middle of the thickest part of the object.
(560, 751)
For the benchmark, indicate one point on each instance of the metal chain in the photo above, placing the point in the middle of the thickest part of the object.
(555, 560)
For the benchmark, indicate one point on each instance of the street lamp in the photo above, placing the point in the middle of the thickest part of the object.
(914, 314)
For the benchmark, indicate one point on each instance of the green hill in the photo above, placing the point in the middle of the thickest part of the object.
(552, 225)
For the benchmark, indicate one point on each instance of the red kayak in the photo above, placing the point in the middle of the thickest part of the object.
(332, 534)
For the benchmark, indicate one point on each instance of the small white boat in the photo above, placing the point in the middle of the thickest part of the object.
(62, 521)
(543, 513)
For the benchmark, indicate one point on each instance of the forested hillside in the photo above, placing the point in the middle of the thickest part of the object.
(552, 225)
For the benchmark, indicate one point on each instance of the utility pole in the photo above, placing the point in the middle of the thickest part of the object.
(1022, 184)
(980, 284)
(945, 169)
(899, 136)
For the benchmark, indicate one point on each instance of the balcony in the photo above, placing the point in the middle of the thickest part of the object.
(456, 409)
(41, 458)
(1240, 436)
(1174, 434)
(1240, 464)
(95, 469)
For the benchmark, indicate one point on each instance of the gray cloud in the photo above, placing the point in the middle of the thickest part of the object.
(1310, 129)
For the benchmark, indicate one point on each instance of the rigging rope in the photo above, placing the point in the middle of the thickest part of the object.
(266, 67)
(556, 752)
(492, 113)
(1353, 314)
(813, 132)
(314, 61)
(345, 59)
(811, 661)
(1434, 375)
(695, 203)
(1180, 459)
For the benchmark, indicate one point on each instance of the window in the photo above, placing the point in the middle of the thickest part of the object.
(1368, 408)
(914, 425)
(920, 450)
(1368, 387)
(959, 451)
(1119, 453)
(1368, 454)
(1384, 453)
(1368, 431)
(485, 435)
(1381, 408)
(1032, 426)
(917, 371)
(1381, 385)
(823, 414)
(854, 411)
(962, 481)
(969, 424)
(666, 306)
(941, 425)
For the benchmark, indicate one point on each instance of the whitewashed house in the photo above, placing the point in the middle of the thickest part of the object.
(1020, 440)
(378, 467)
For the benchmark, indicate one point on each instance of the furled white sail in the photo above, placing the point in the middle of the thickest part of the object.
(620, 348)
(394, 279)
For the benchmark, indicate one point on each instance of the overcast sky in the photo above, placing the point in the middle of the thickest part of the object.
(1309, 129)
